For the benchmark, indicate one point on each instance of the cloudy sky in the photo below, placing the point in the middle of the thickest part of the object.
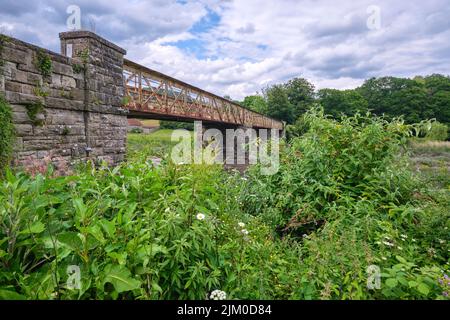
(237, 47)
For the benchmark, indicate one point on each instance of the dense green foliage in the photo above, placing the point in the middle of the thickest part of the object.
(164, 124)
(416, 99)
(437, 132)
(339, 102)
(345, 188)
(255, 103)
(289, 100)
(33, 110)
(7, 133)
(278, 104)
(134, 232)
(342, 200)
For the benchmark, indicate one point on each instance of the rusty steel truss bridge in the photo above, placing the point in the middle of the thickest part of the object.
(151, 94)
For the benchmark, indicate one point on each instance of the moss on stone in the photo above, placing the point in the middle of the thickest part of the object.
(7, 133)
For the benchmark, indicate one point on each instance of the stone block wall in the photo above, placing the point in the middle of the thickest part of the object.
(80, 116)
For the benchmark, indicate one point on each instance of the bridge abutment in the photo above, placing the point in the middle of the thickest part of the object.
(65, 107)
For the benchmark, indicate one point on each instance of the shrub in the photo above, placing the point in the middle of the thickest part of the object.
(437, 132)
(344, 190)
(134, 232)
(336, 162)
(6, 133)
(343, 200)
(176, 125)
(137, 130)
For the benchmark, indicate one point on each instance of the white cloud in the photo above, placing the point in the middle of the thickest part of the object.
(257, 43)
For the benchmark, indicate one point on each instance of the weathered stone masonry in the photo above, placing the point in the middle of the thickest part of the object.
(82, 116)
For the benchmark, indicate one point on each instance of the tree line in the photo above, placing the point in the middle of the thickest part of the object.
(415, 99)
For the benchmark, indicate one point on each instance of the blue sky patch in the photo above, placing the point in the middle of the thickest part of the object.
(196, 46)
(206, 23)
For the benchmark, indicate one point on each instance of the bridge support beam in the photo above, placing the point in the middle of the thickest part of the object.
(238, 146)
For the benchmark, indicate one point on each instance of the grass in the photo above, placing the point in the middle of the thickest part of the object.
(156, 144)
(431, 160)
(150, 123)
(430, 146)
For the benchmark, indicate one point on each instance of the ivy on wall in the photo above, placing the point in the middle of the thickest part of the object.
(7, 134)
(3, 39)
(33, 109)
(43, 63)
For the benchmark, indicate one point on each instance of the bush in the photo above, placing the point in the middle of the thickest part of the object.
(342, 200)
(137, 130)
(6, 133)
(345, 191)
(176, 125)
(135, 232)
(437, 131)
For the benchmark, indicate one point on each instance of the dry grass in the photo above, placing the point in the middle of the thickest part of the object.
(431, 159)
(430, 146)
(150, 123)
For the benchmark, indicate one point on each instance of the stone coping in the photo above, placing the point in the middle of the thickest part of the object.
(88, 34)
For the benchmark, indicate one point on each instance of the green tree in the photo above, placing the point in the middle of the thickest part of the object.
(256, 103)
(438, 89)
(337, 102)
(300, 93)
(396, 96)
(278, 104)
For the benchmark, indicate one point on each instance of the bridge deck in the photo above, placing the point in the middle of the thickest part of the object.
(149, 92)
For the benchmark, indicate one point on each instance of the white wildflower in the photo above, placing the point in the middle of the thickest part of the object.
(218, 295)
(404, 236)
(241, 224)
(244, 231)
(200, 216)
(384, 258)
(388, 243)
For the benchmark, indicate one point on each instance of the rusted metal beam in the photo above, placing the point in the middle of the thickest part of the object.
(154, 92)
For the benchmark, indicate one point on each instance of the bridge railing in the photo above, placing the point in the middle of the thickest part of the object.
(154, 92)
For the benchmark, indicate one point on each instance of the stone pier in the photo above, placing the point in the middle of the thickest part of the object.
(66, 107)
